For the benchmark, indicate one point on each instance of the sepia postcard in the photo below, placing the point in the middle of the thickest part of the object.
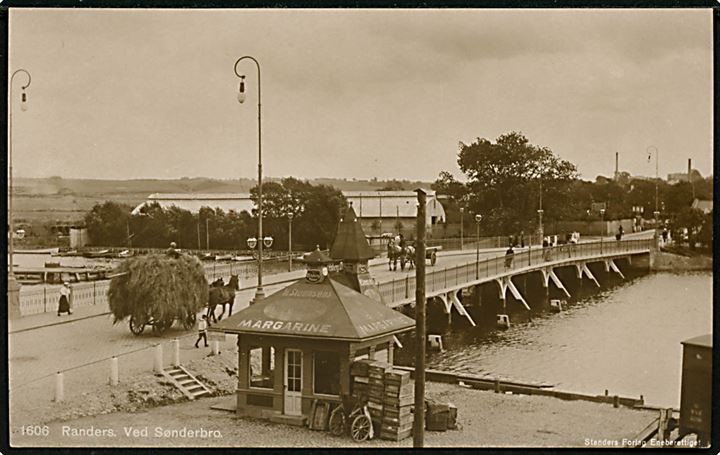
(360, 228)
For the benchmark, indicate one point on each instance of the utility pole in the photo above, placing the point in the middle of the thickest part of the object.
(419, 422)
(207, 233)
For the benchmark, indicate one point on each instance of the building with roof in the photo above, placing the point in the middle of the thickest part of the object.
(378, 211)
(296, 346)
(194, 201)
(703, 204)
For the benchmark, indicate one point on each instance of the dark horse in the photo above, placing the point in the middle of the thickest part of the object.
(220, 294)
(404, 254)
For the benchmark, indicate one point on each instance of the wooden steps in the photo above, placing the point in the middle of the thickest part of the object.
(186, 382)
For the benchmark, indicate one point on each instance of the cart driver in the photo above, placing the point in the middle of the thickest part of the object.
(172, 251)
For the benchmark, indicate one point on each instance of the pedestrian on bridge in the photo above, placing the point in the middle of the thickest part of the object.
(509, 256)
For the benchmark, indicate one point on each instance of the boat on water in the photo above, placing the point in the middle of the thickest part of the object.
(58, 275)
(51, 251)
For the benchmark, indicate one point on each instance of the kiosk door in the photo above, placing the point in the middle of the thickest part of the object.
(293, 382)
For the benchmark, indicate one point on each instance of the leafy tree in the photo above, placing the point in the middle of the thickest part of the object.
(107, 224)
(505, 181)
(316, 212)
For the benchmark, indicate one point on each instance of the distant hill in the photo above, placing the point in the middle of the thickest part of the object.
(58, 199)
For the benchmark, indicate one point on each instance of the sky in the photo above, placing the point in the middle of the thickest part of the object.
(125, 94)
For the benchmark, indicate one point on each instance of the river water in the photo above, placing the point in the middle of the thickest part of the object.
(625, 339)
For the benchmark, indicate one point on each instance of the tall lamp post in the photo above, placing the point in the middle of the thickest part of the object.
(657, 174)
(13, 286)
(259, 292)
(290, 218)
(478, 218)
(462, 210)
(541, 229)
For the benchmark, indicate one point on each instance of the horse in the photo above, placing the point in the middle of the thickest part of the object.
(220, 294)
(394, 253)
(405, 254)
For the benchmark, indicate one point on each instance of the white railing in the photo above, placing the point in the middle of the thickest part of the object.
(437, 278)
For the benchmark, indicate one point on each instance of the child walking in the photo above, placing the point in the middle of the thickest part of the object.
(202, 331)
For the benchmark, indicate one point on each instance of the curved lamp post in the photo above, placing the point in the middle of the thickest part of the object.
(259, 292)
(13, 286)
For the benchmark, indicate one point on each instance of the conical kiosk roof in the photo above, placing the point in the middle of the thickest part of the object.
(350, 243)
(324, 310)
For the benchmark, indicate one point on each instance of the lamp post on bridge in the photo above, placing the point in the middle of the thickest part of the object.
(290, 218)
(462, 210)
(478, 218)
(13, 287)
(259, 292)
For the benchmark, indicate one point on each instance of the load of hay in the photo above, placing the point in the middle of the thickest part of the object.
(158, 286)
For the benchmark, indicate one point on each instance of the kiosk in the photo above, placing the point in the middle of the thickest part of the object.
(296, 346)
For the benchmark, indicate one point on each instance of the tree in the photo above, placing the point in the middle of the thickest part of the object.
(316, 212)
(447, 185)
(107, 224)
(505, 180)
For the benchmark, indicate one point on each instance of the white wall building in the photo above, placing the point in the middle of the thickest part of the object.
(378, 211)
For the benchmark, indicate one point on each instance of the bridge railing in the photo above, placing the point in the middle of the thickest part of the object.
(437, 278)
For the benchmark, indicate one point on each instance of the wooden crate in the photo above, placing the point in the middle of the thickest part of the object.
(406, 400)
(397, 376)
(397, 391)
(390, 436)
(360, 367)
(396, 412)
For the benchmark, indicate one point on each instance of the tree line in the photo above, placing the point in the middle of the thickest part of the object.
(508, 180)
(315, 210)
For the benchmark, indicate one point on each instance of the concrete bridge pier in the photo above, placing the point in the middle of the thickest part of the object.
(536, 289)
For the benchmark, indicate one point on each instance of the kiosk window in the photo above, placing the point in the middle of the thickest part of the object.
(262, 367)
(326, 372)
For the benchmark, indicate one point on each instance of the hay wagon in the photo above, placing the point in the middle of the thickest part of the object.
(157, 290)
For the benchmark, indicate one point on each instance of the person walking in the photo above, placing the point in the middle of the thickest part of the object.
(202, 331)
(64, 302)
(509, 256)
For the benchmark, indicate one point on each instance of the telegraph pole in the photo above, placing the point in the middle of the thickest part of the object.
(419, 422)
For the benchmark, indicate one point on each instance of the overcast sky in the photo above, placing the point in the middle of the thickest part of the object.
(370, 93)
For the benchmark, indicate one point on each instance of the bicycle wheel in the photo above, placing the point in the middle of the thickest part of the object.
(337, 421)
(361, 428)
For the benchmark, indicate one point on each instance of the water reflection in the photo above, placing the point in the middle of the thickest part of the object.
(625, 339)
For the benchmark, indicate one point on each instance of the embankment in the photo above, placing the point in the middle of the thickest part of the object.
(670, 262)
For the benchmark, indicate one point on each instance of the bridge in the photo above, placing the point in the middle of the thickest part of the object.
(531, 278)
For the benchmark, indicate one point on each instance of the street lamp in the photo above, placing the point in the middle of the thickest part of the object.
(478, 218)
(657, 174)
(540, 225)
(259, 293)
(602, 217)
(462, 210)
(13, 286)
(290, 218)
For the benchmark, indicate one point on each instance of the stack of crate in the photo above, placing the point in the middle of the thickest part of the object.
(359, 376)
(376, 390)
(397, 421)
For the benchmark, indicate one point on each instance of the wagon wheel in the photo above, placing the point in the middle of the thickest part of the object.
(337, 421)
(189, 321)
(135, 326)
(361, 428)
(433, 258)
